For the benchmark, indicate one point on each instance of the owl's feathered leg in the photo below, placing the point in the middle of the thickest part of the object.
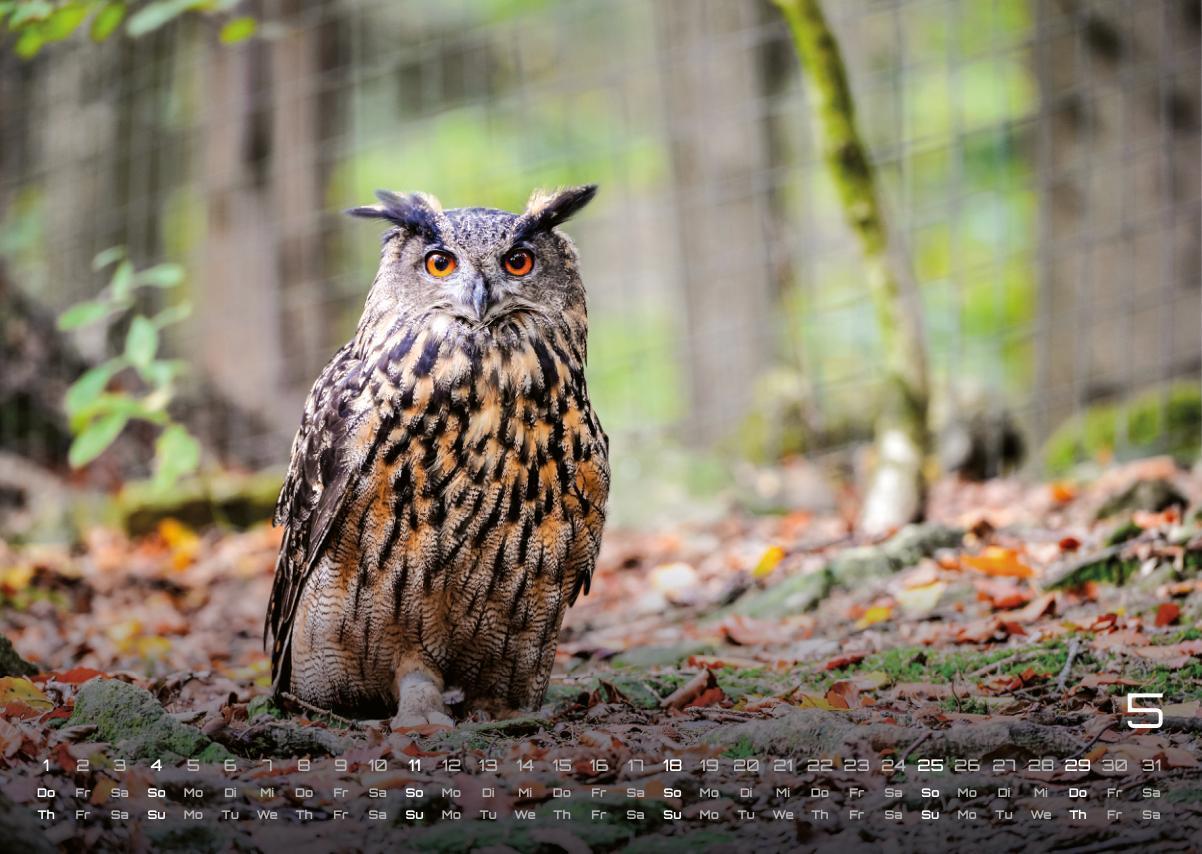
(419, 698)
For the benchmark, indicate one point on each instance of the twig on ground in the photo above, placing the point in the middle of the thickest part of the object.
(915, 745)
(996, 665)
(317, 710)
(1073, 646)
(1093, 740)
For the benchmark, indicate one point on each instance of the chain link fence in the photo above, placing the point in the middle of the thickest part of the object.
(1039, 164)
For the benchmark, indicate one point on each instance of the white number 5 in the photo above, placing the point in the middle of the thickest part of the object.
(1133, 709)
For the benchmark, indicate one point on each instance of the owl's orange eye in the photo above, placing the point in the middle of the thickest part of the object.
(519, 262)
(440, 264)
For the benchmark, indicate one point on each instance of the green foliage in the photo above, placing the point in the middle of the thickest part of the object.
(97, 415)
(37, 23)
(238, 30)
(1164, 420)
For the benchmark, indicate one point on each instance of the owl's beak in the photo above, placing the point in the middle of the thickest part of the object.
(479, 297)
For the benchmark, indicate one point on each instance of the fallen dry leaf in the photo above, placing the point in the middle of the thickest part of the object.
(844, 661)
(1167, 614)
(768, 562)
(1173, 656)
(872, 616)
(18, 690)
(998, 561)
(701, 690)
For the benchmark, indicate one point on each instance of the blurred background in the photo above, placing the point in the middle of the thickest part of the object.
(1038, 166)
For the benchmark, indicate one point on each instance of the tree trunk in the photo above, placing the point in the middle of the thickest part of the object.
(896, 492)
(716, 139)
(263, 259)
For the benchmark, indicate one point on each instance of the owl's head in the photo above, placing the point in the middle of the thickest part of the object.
(478, 265)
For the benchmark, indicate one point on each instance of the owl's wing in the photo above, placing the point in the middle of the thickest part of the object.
(337, 431)
(588, 495)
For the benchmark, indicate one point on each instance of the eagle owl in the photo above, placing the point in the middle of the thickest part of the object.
(448, 482)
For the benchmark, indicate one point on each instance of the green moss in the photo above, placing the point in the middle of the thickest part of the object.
(132, 720)
(1124, 532)
(1161, 420)
(920, 664)
(11, 664)
(742, 748)
(263, 705)
(739, 683)
(661, 656)
(226, 498)
(1181, 685)
(965, 705)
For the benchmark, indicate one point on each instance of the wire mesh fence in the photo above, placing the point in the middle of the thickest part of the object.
(1039, 165)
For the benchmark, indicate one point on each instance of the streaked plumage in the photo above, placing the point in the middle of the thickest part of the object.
(447, 489)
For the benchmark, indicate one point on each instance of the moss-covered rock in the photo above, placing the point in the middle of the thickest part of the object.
(1165, 420)
(850, 568)
(12, 664)
(660, 656)
(1152, 496)
(907, 547)
(1107, 566)
(240, 500)
(132, 720)
(792, 595)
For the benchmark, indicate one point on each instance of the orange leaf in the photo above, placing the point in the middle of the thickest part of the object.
(76, 675)
(845, 661)
(843, 695)
(999, 561)
(1062, 491)
(1167, 614)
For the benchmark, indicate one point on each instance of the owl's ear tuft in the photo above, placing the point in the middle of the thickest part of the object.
(547, 209)
(415, 212)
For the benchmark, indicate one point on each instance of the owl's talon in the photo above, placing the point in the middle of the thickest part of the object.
(424, 724)
(419, 704)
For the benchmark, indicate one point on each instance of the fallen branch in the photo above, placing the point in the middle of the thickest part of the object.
(317, 710)
(1073, 647)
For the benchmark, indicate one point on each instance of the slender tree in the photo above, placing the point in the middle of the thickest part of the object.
(896, 493)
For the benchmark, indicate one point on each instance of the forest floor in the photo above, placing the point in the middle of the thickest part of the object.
(1000, 636)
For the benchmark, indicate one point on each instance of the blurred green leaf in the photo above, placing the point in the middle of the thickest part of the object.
(237, 30)
(161, 276)
(82, 314)
(172, 314)
(64, 21)
(97, 436)
(108, 256)
(176, 453)
(29, 43)
(123, 280)
(31, 10)
(86, 390)
(154, 15)
(106, 21)
(141, 342)
(160, 373)
(118, 403)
